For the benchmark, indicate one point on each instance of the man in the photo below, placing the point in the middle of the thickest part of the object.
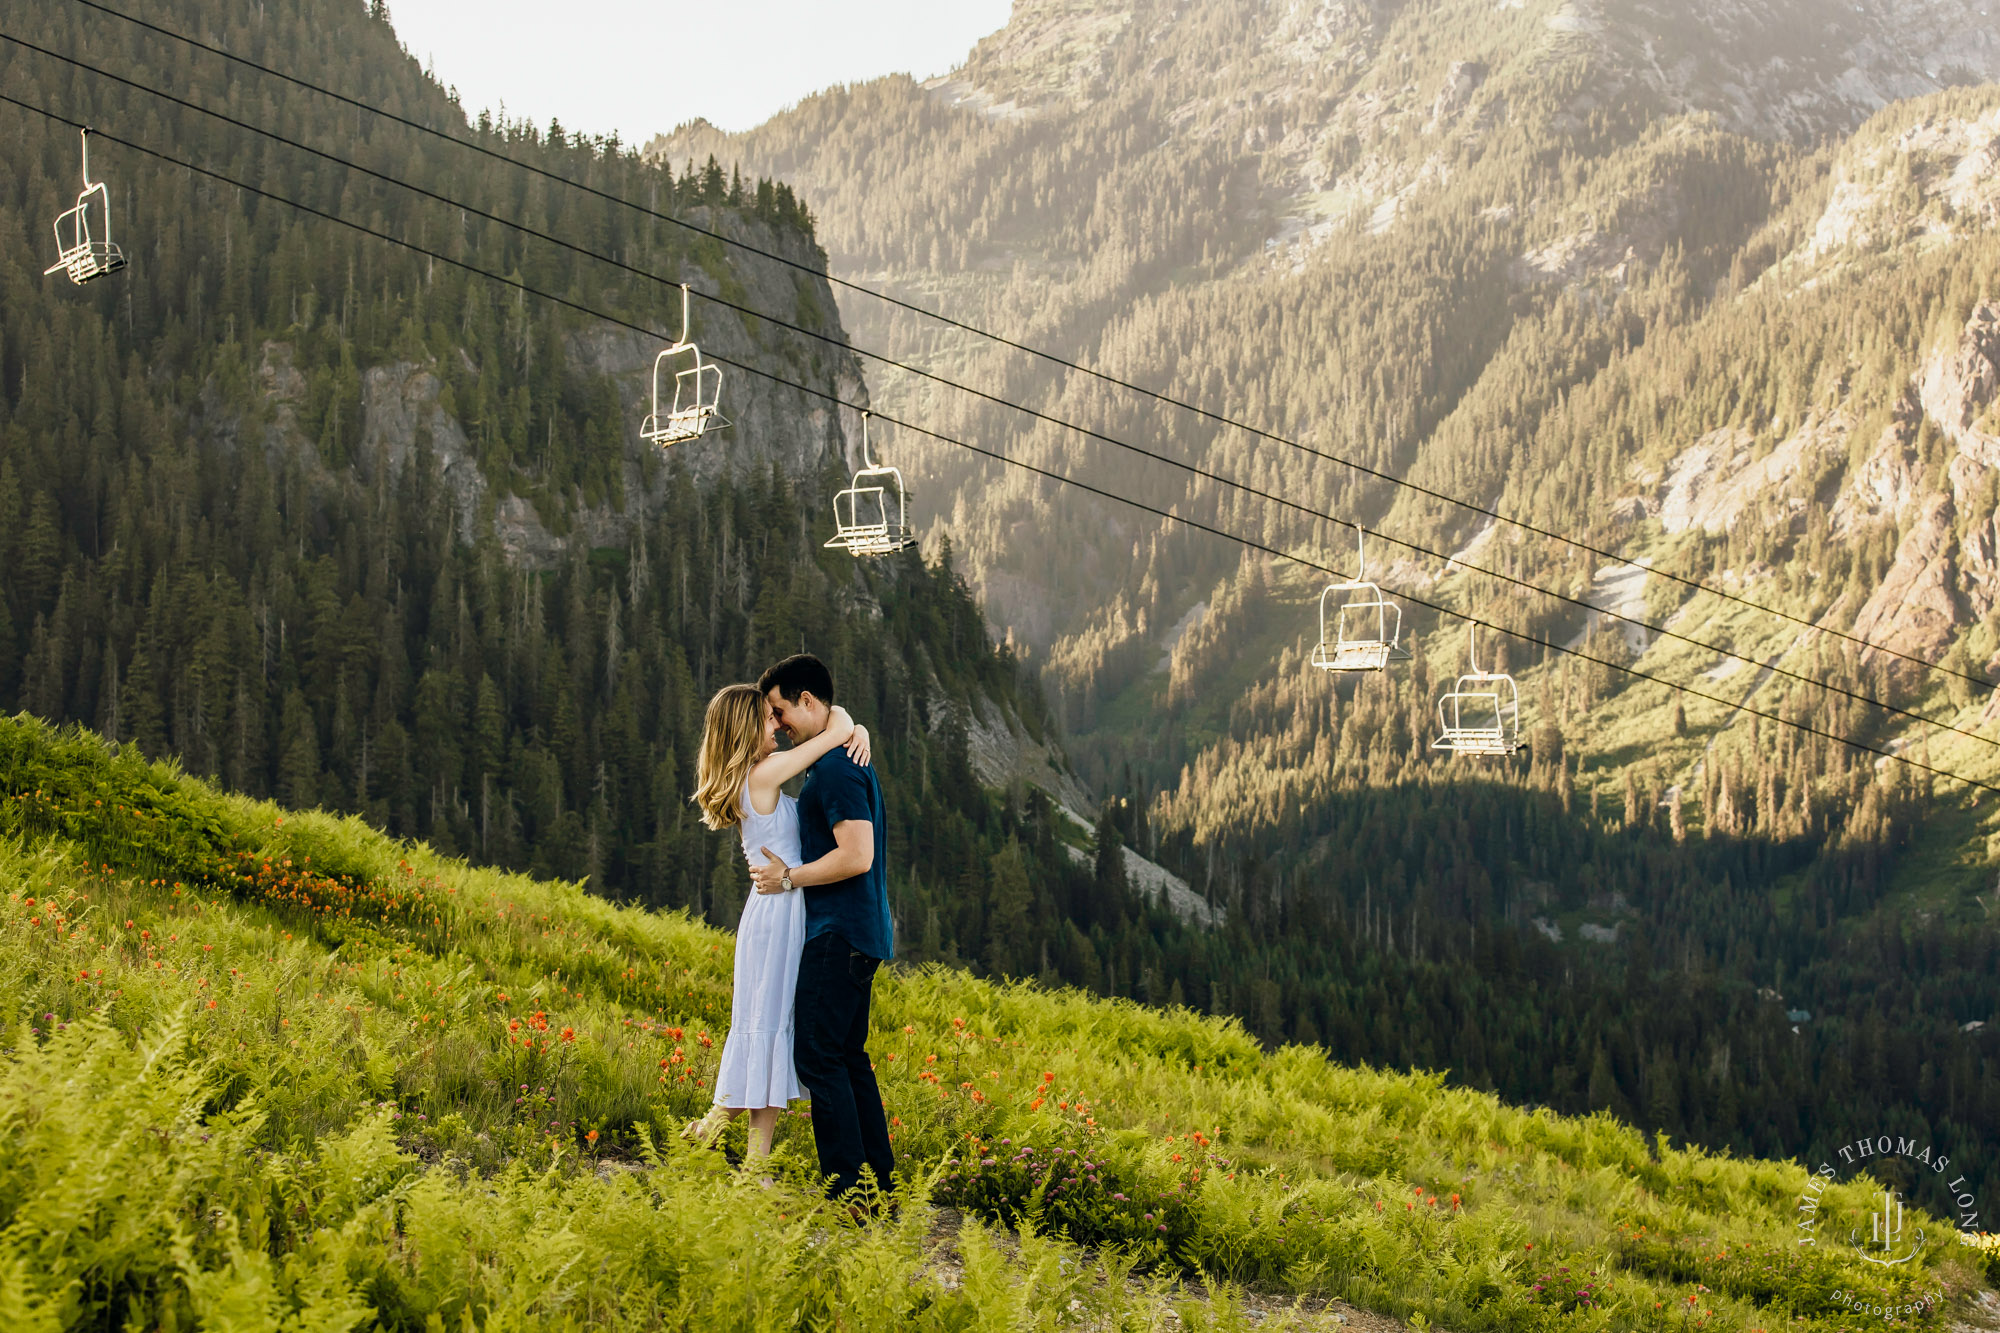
(848, 932)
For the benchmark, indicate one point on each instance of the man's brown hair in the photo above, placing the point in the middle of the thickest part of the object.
(795, 676)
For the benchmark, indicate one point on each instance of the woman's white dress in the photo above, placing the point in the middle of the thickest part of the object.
(756, 1065)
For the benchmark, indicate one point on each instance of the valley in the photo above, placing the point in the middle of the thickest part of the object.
(1711, 296)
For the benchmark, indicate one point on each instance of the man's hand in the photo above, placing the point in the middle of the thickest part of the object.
(769, 877)
(853, 853)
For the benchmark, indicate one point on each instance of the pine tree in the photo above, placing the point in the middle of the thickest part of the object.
(298, 749)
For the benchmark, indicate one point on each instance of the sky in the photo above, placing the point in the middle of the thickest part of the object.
(640, 69)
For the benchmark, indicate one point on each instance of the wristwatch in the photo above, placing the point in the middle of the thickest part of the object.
(786, 880)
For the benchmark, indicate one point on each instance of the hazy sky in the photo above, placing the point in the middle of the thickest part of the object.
(603, 65)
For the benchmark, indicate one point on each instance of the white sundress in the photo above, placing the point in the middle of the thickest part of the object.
(756, 1068)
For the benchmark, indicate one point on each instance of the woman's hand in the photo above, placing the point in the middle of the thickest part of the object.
(857, 746)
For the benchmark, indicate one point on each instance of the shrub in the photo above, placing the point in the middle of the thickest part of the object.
(1986, 1246)
(1073, 1187)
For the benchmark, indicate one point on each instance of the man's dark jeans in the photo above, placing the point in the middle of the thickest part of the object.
(830, 1052)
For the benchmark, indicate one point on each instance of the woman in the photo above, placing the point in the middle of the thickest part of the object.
(740, 775)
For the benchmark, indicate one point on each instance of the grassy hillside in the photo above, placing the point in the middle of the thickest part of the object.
(266, 1069)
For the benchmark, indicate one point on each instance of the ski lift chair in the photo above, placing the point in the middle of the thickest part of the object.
(84, 248)
(697, 392)
(1482, 713)
(871, 517)
(1365, 624)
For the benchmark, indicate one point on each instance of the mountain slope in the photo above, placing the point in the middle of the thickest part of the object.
(1194, 199)
(273, 1068)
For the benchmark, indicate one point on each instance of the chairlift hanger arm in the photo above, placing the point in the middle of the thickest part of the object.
(772, 377)
(682, 341)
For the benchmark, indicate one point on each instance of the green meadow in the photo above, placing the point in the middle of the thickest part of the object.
(266, 1069)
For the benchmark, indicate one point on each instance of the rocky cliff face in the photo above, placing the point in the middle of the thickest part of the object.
(404, 415)
(1896, 195)
(1927, 180)
(1945, 574)
(1802, 70)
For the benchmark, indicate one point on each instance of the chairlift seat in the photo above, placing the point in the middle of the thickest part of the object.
(1481, 714)
(1366, 626)
(694, 407)
(870, 517)
(697, 392)
(84, 248)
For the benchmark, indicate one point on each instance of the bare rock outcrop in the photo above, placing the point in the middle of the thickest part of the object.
(1951, 158)
(1888, 482)
(1461, 79)
(1050, 51)
(1918, 609)
(1004, 753)
(402, 415)
(1719, 478)
(1946, 571)
(1958, 384)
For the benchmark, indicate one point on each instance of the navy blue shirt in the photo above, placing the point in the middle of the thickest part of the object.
(838, 789)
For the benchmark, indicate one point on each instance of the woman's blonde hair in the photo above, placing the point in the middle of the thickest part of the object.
(732, 735)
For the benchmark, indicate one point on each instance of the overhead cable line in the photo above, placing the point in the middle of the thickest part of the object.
(1086, 432)
(1250, 543)
(1053, 358)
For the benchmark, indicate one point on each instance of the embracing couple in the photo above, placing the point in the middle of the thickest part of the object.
(816, 929)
